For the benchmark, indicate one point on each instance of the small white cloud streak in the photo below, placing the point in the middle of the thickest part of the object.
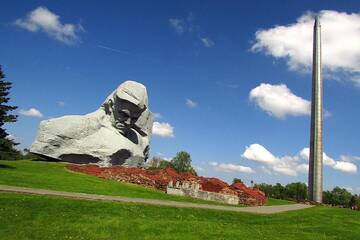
(32, 112)
(229, 167)
(42, 19)
(60, 103)
(279, 101)
(178, 25)
(164, 130)
(190, 103)
(207, 42)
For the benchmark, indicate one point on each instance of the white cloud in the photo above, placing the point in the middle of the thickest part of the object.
(200, 169)
(279, 101)
(163, 129)
(347, 158)
(257, 152)
(207, 42)
(291, 165)
(32, 112)
(349, 189)
(157, 115)
(42, 19)
(60, 103)
(293, 42)
(190, 103)
(214, 164)
(229, 167)
(178, 24)
(345, 167)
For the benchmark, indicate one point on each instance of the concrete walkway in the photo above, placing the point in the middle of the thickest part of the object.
(75, 195)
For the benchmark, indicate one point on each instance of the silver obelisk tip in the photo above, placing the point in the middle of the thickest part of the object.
(317, 21)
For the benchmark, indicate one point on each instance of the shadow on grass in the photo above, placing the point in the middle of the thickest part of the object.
(4, 166)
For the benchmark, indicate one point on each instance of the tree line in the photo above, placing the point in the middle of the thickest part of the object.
(298, 191)
(180, 163)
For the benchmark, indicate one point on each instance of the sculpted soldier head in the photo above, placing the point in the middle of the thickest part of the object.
(126, 105)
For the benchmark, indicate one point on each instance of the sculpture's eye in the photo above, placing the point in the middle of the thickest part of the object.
(123, 114)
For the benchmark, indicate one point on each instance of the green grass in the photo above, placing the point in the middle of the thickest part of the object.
(273, 201)
(54, 176)
(40, 217)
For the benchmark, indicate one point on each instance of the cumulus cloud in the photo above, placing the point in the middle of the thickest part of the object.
(31, 112)
(293, 42)
(279, 101)
(345, 167)
(163, 129)
(190, 103)
(207, 42)
(179, 25)
(42, 19)
(291, 165)
(229, 167)
(347, 158)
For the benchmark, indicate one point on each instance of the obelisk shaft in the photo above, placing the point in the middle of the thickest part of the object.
(316, 141)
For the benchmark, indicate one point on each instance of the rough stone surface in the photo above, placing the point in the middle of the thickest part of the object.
(193, 190)
(118, 133)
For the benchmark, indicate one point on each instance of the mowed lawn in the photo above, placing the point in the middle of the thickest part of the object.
(54, 176)
(42, 217)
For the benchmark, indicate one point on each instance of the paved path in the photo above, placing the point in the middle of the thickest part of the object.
(260, 210)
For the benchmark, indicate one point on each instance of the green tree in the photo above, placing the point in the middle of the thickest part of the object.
(182, 163)
(237, 180)
(341, 197)
(7, 145)
(352, 202)
(337, 197)
(278, 191)
(266, 188)
(296, 191)
(158, 163)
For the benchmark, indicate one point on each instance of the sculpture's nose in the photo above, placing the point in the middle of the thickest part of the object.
(127, 121)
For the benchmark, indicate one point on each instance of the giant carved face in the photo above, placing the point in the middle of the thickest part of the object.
(127, 107)
(125, 114)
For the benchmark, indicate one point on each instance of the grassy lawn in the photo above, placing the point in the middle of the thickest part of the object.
(54, 176)
(39, 217)
(272, 202)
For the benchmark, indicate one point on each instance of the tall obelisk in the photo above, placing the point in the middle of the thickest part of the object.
(316, 141)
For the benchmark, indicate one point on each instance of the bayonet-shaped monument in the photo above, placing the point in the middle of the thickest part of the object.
(316, 141)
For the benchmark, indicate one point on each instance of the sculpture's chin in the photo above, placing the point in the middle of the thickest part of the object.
(121, 128)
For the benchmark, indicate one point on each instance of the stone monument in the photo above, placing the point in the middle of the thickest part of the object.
(316, 141)
(118, 133)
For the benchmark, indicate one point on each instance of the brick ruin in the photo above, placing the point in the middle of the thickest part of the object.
(166, 180)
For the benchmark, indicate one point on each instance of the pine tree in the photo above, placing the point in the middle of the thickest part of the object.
(7, 145)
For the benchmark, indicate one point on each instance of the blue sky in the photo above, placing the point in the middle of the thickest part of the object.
(230, 82)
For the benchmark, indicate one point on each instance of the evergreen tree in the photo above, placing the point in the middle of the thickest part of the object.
(7, 145)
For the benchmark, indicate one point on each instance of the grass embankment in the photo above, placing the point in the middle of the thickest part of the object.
(42, 217)
(54, 176)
